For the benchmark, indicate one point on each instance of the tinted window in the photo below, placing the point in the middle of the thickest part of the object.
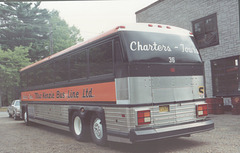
(39, 72)
(48, 73)
(61, 70)
(118, 52)
(160, 48)
(31, 78)
(100, 59)
(78, 65)
(24, 79)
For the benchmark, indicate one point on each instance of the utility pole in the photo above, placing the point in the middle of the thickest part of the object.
(51, 39)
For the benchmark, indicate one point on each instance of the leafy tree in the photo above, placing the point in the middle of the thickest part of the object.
(23, 23)
(11, 61)
(25, 34)
(63, 36)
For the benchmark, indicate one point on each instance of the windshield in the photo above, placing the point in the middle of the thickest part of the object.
(17, 103)
(160, 48)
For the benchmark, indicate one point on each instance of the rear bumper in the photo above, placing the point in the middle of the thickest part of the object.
(172, 131)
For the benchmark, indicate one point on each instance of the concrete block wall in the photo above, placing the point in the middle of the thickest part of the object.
(182, 13)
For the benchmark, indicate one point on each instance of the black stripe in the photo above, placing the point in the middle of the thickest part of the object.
(109, 104)
(77, 82)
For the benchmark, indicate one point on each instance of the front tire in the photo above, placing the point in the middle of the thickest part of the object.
(78, 127)
(9, 115)
(98, 130)
(25, 118)
(14, 116)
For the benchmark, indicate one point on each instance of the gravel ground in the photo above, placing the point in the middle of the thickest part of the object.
(15, 137)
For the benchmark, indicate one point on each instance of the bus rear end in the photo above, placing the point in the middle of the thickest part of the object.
(159, 86)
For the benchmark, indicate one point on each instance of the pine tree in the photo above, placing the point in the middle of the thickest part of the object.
(25, 24)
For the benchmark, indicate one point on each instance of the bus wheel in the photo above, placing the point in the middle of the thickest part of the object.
(98, 130)
(26, 118)
(78, 127)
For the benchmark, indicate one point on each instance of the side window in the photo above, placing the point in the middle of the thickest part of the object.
(48, 74)
(78, 65)
(32, 78)
(118, 52)
(61, 70)
(24, 79)
(39, 73)
(101, 60)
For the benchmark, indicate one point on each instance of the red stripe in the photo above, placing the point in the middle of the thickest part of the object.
(93, 92)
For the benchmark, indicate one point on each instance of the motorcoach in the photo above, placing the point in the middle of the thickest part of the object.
(134, 83)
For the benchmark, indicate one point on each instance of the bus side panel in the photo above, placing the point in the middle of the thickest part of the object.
(50, 115)
(103, 92)
(119, 122)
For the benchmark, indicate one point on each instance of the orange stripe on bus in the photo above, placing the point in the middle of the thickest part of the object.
(93, 92)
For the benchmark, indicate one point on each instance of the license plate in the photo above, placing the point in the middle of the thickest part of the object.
(164, 108)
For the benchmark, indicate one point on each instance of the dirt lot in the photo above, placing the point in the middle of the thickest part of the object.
(15, 137)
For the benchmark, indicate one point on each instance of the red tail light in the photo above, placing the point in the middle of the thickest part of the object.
(144, 117)
(201, 110)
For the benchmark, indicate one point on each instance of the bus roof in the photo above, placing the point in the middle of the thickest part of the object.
(144, 27)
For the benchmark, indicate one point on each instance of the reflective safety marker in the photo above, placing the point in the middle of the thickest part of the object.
(201, 90)
(144, 117)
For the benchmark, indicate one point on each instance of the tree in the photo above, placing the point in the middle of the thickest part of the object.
(11, 61)
(23, 23)
(63, 36)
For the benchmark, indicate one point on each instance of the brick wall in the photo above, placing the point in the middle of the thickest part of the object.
(182, 13)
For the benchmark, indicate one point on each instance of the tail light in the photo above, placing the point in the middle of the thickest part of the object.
(201, 110)
(144, 117)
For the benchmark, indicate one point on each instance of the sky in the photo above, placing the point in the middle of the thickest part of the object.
(95, 17)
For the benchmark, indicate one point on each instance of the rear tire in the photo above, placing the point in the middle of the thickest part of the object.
(78, 127)
(98, 130)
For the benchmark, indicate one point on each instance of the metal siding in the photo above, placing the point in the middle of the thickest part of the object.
(115, 120)
(57, 113)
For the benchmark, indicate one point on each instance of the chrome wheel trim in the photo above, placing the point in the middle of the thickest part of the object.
(77, 125)
(98, 128)
(25, 117)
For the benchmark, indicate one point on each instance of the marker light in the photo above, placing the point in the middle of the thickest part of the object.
(172, 69)
(121, 27)
(159, 26)
(201, 110)
(144, 117)
(168, 27)
(150, 25)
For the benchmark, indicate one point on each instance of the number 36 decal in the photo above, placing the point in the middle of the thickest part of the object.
(171, 59)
